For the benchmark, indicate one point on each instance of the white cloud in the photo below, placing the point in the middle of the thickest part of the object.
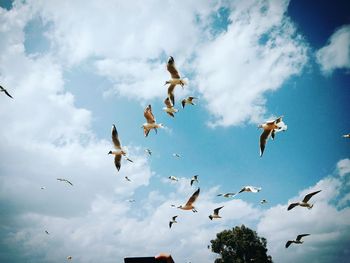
(336, 54)
(259, 51)
(343, 166)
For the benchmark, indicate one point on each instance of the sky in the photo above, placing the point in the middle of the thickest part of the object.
(74, 68)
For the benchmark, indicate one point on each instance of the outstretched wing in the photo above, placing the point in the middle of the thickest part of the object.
(308, 196)
(172, 69)
(288, 243)
(299, 237)
(279, 119)
(291, 206)
(193, 198)
(171, 93)
(149, 115)
(263, 138)
(168, 103)
(216, 210)
(115, 138)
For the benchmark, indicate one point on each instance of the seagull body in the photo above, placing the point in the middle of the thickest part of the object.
(191, 200)
(216, 213)
(169, 109)
(264, 201)
(270, 128)
(346, 135)
(173, 220)
(2, 89)
(297, 241)
(188, 100)
(304, 203)
(151, 121)
(173, 178)
(119, 152)
(131, 200)
(64, 180)
(227, 195)
(175, 79)
(249, 188)
(194, 179)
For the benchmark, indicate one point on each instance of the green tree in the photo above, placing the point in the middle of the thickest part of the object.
(240, 245)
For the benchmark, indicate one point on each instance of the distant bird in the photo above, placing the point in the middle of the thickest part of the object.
(173, 178)
(189, 204)
(346, 135)
(47, 232)
(172, 205)
(119, 150)
(270, 128)
(176, 155)
(249, 188)
(64, 180)
(297, 241)
(169, 109)
(194, 179)
(175, 79)
(151, 121)
(304, 203)
(2, 89)
(188, 100)
(227, 195)
(131, 200)
(148, 151)
(69, 257)
(216, 213)
(43, 188)
(264, 201)
(172, 221)
(127, 178)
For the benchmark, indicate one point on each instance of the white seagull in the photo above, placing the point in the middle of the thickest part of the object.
(227, 195)
(169, 109)
(189, 204)
(297, 241)
(188, 100)
(64, 180)
(270, 128)
(264, 201)
(175, 79)
(194, 179)
(216, 213)
(304, 203)
(249, 188)
(2, 89)
(173, 178)
(131, 200)
(151, 121)
(119, 150)
(346, 135)
(173, 220)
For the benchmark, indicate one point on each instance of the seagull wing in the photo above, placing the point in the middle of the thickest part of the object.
(171, 93)
(174, 217)
(299, 237)
(308, 196)
(8, 94)
(167, 102)
(192, 180)
(149, 115)
(291, 206)
(288, 243)
(183, 103)
(69, 182)
(170, 223)
(172, 69)
(279, 119)
(216, 210)
(117, 160)
(115, 138)
(193, 198)
(263, 138)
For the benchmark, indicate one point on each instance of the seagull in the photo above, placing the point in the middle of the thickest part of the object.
(148, 151)
(176, 155)
(131, 200)
(64, 180)
(188, 100)
(172, 205)
(173, 178)
(69, 257)
(227, 195)
(249, 188)
(216, 213)
(189, 204)
(175, 79)
(194, 179)
(151, 121)
(169, 109)
(47, 232)
(119, 150)
(297, 241)
(172, 221)
(2, 89)
(304, 203)
(127, 178)
(43, 188)
(346, 135)
(264, 201)
(270, 128)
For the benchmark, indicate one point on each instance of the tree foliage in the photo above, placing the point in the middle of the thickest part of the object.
(240, 245)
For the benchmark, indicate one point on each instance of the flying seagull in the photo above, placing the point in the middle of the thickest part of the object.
(176, 155)
(270, 128)
(173, 178)
(47, 232)
(64, 180)
(169, 109)
(297, 241)
(304, 203)
(131, 200)
(249, 188)
(264, 201)
(148, 151)
(43, 188)
(175, 79)
(151, 121)
(189, 204)
(188, 100)
(172, 221)
(194, 179)
(127, 178)
(227, 195)
(346, 135)
(2, 89)
(119, 150)
(69, 257)
(216, 213)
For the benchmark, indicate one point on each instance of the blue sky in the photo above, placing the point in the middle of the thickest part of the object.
(75, 69)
